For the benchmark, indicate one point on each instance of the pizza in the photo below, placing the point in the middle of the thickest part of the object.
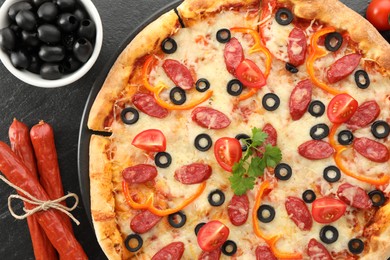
(245, 129)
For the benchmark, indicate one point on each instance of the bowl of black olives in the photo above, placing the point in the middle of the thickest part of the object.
(49, 43)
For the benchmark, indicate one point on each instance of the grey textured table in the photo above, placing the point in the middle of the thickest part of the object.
(63, 109)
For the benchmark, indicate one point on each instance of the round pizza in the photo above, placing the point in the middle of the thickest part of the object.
(245, 129)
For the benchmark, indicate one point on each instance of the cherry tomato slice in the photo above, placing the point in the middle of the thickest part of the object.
(250, 75)
(212, 235)
(341, 108)
(151, 140)
(227, 151)
(378, 13)
(327, 209)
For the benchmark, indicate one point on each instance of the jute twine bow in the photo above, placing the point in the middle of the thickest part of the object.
(41, 205)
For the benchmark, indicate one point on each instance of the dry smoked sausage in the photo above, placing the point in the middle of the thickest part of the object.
(238, 209)
(300, 99)
(233, 54)
(343, 67)
(210, 118)
(193, 173)
(178, 73)
(354, 196)
(316, 250)
(371, 149)
(51, 221)
(315, 150)
(264, 253)
(173, 251)
(140, 173)
(147, 104)
(297, 45)
(365, 114)
(299, 213)
(144, 221)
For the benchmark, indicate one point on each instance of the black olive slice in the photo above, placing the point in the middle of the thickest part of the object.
(380, 129)
(178, 96)
(332, 174)
(355, 246)
(197, 227)
(316, 108)
(333, 41)
(202, 85)
(275, 102)
(362, 79)
(216, 198)
(308, 196)
(319, 131)
(177, 219)
(199, 139)
(243, 139)
(223, 35)
(291, 68)
(163, 159)
(345, 137)
(377, 198)
(129, 115)
(234, 87)
(329, 234)
(129, 244)
(168, 45)
(284, 16)
(266, 213)
(229, 248)
(283, 171)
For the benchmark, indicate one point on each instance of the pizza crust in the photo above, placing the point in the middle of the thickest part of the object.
(336, 14)
(379, 246)
(143, 44)
(102, 199)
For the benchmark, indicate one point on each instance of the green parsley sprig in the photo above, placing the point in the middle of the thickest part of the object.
(251, 166)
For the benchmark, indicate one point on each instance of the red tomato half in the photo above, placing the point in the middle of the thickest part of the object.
(250, 75)
(341, 108)
(227, 151)
(378, 13)
(212, 235)
(151, 140)
(327, 209)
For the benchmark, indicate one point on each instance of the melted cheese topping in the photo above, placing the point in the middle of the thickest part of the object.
(205, 58)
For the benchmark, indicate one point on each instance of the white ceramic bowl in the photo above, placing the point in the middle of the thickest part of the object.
(35, 79)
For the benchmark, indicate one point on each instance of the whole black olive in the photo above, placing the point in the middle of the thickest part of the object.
(30, 38)
(66, 5)
(35, 64)
(82, 49)
(71, 64)
(51, 71)
(20, 59)
(51, 53)
(80, 14)
(67, 22)
(49, 33)
(47, 12)
(26, 20)
(38, 3)
(87, 30)
(18, 6)
(7, 39)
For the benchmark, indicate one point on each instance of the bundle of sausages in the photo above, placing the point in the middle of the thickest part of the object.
(31, 164)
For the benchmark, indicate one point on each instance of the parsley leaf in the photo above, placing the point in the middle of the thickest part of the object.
(245, 172)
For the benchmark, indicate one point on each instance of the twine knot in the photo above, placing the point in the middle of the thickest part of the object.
(40, 204)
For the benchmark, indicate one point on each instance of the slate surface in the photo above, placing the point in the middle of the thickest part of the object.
(63, 108)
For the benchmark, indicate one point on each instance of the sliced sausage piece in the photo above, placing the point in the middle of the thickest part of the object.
(371, 149)
(365, 114)
(210, 118)
(178, 73)
(343, 67)
(315, 150)
(317, 251)
(193, 173)
(264, 253)
(212, 255)
(144, 221)
(297, 45)
(354, 196)
(238, 209)
(233, 54)
(299, 213)
(300, 99)
(172, 251)
(271, 139)
(147, 104)
(140, 173)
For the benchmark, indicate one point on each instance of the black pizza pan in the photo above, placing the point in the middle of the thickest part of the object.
(85, 134)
